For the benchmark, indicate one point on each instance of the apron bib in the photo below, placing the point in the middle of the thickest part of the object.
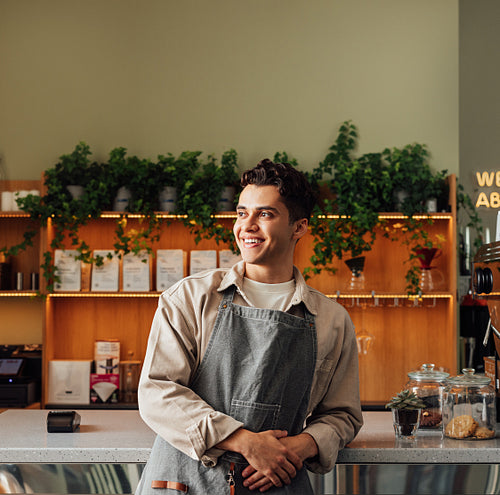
(258, 368)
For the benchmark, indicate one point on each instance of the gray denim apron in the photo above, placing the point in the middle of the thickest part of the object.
(258, 368)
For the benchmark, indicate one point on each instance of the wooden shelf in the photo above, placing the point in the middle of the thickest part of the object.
(407, 331)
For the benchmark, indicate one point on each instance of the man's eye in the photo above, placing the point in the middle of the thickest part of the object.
(266, 214)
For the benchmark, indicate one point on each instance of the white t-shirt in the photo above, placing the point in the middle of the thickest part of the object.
(269, 296)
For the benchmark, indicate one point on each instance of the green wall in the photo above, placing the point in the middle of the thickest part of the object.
(257, 75)
(479, 102)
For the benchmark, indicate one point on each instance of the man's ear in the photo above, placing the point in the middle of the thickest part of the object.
(301, 227)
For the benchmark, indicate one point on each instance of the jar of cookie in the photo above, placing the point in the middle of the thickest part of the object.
(469, 408)
(428, 384)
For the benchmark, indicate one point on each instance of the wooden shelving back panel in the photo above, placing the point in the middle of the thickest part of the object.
(404, 337)
(76, 323)
(385, 264)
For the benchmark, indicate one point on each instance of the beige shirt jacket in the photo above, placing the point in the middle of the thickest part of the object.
(179, 336)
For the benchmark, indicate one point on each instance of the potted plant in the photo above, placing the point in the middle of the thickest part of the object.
(230, 178)
(406, 409)
(344, 223)
(74, 170)
(199, 201)
(67, 215)
(120, 174)
(172, 174)
(413, 181)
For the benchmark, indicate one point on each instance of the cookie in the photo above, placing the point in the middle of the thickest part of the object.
(461, 427)
(483, 432)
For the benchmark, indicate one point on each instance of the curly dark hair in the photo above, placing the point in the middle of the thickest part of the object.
(293, 186)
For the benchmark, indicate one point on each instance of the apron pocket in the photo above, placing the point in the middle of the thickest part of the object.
(255, 416)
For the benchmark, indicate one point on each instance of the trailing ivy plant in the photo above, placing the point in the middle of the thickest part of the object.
(345, 223)
(200, 196)
(361, 187)
(140, 177)
(66, 214)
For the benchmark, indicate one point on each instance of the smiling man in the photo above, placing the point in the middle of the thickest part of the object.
(250, 375)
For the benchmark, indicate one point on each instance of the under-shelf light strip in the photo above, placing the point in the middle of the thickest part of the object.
(105, 295)
(331, 296)
(12, 293)
(232, 215)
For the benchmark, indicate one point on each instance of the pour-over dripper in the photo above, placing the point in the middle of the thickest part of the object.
(357, 281)
(427, 255)
(430, 277)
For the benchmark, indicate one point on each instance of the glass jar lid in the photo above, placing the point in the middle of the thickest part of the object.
(469, 379)
(428, 373)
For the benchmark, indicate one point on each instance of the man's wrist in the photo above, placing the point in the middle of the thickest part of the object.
(309, 447)
(236, 441)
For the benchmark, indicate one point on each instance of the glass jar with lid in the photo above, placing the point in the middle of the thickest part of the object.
(428, 384)
(469, 408)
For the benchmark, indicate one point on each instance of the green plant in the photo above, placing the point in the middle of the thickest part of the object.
(405, 400)
(229, 168)
(75, 168)
(175, 172)
(345, 223)
(66, 215)
(412, 176)
(200, 196)
(361, 187)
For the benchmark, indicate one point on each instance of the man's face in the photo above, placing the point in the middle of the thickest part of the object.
(262, 229)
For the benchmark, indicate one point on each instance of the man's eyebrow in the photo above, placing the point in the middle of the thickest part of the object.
(272, 208)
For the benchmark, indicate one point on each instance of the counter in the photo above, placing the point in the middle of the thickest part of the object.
(103, 437)
(376, 443)
(375, 462)
(121, 436)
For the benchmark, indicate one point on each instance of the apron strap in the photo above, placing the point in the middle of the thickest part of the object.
(170, 485)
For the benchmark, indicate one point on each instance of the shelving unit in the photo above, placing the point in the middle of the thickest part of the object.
(22, 314)
(405, 331)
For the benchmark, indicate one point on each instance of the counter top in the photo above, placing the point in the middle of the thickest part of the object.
(103, 437)
(122, 437)
(376, 443)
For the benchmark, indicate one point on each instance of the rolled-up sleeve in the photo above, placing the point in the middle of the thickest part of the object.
(166, 403)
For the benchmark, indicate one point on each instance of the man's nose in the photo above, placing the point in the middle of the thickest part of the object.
(250, 223)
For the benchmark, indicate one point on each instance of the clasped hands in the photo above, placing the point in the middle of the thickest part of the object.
(273, 457)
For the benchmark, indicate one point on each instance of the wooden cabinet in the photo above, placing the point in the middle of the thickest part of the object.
(21, 320)
(404, 332)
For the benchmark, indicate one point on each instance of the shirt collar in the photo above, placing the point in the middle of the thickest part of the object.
(302, 291)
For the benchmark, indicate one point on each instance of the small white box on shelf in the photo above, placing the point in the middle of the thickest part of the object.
(136, 272)
(227, 258)
(106, 276)
(69, 381)
(68, 269)
(202, 260)
(170, 265)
